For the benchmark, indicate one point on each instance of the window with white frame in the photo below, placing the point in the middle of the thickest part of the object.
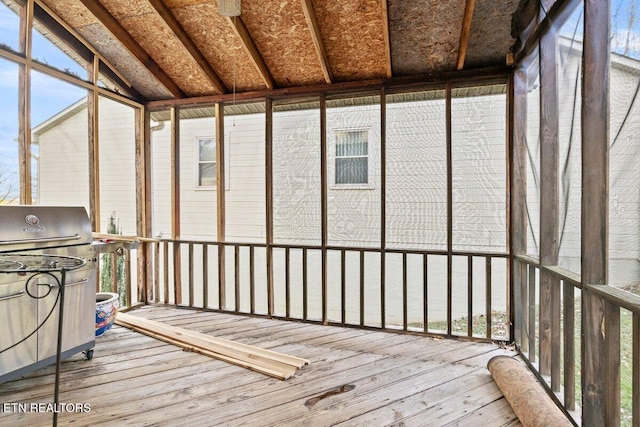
(206, 169)
(352, 157)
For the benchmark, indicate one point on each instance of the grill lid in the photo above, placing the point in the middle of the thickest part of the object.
(36, 227)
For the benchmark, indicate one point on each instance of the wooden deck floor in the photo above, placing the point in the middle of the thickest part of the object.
(389, 379)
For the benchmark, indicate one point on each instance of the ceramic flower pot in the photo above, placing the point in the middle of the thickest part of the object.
(106, 308)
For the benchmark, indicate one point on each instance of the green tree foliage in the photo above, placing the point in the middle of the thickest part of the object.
(106, 274)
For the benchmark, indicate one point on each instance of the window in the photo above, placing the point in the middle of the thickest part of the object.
(352, 157)
(206, 162)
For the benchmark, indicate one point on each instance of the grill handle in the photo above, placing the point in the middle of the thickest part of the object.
(79, 282)
(42, 240)
(17, 295)
(66, 285)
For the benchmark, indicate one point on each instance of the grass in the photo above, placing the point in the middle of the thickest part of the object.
(626, 361)
(499, 326)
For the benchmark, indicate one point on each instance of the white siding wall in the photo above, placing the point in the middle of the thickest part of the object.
(117, 165)
(624, 179)
(245, 198)
(63, 168)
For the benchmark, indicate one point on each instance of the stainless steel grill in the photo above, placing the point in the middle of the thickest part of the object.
(47, 288)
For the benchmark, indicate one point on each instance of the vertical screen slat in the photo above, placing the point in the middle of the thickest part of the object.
(156, 272)
(343, 288)
(361, 288)
(568, 302)
(305, 286)
(205, 275)
(191, 292)
(166, 272)
(531, 310)
(425, 286)
(636, 370)
(252, 280)
(236, 276)
(287, 278)
(488, 305)
(404, 292)
(469, 296)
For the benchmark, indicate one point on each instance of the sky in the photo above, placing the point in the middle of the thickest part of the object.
(50, 96)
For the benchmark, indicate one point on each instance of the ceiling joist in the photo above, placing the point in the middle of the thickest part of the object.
(464, 34)
(114, 27)
(312, 22)
(251, 49)
(188, 44)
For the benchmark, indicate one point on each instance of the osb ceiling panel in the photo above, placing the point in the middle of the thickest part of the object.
(352, 32)
(78, 17)
(150, 31)
(217, 41)
(425, 35)
(279, 30)
(424, 38)
(490, 36)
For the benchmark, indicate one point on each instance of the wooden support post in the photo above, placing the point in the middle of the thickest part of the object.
(518, 214)
(143, 201)
(600, 381)
(24, 104)
(175, 203)
(383, 205)
(221, 209)
(549, 161)
(268, 155)
(324, 202)
(93, 148)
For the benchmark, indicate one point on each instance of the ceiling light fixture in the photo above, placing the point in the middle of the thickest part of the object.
(229, 7)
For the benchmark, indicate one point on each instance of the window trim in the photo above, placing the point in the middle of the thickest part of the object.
(369, 185)
(197, 162)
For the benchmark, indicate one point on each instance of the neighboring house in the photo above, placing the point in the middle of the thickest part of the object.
(416, 184)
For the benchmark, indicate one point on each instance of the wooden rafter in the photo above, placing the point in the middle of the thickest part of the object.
(464, 34)
(387, 38)
(114, 27)
(70, 38)
(312, 22)
(188, 44)
(79, 40)
(251, 49)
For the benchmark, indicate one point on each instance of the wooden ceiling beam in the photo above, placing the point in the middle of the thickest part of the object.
(251, 49)
(464, 33)
(387, 38)
(114, 27)
(463, 78)
(189, 45)
(314, 29)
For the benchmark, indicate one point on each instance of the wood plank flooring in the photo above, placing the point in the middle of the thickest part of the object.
(356, 378)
